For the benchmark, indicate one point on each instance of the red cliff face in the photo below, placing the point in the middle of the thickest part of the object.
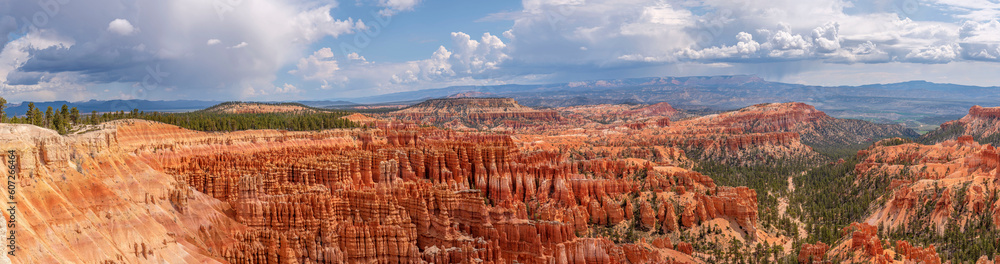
(400, 192)
(949, 183)
(865, 246)
(812, 125)
(773, 117)
(917, 254)
(475, 112)
(633, 116)
(658, 109)
(348, 196)
(937, 174)
(767, 132)
(981, 123)
(984, 112)
(813, 253)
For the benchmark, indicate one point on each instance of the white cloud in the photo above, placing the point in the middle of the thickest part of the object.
(310, 25)
(121, 27)
(319, 66)
(980, 40)
(867, 52)
(270, 35)
(785, 44)
(975, 10)
(548, 38)
(552, 32)
(938, 54)
(59, 86)
(745, 48)
(827, 38)
(241, 45)
(287, 88)
(463, 62)
(393, 7)
(474, 57)
(355, 57)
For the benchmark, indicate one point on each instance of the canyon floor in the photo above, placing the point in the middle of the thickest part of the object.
(487, 180)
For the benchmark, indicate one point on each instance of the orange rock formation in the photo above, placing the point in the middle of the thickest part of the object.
(150, 192)
(811, 253)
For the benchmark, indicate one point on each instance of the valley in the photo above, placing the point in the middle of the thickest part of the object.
(490, 180)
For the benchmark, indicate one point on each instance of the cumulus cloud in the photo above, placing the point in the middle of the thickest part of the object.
(392, 7)
(613, 32)
(265, 36)
(867, 52)
(826, 38)
(548, 37)
(980, 40)
(938, 54)
(474, 57)
(241, 45)
(287, 88)
(870, 38)
(249, 44)
(785, 44)
(466, 60)
(15, 84)
(744, 48)
(318, 66)
(121, 27)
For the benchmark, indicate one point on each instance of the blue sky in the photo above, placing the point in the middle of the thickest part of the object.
(310, 49)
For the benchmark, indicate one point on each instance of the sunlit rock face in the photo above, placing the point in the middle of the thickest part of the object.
(982, 123)
(592, 184)
(137, 191)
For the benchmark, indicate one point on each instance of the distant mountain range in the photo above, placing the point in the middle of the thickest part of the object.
(918, 104)
(142, 105)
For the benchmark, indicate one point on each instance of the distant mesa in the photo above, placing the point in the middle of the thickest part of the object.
(487, 112)
(984, 112)
(631, 115)
(470, 94)
(981, 124)
(360, 118)
(658, 109)
(464, 105)
(815, 127)
(260, 108)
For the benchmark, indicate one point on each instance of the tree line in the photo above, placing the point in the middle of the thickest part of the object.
(66, 119)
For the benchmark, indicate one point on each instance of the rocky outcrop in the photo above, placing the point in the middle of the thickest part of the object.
(685, 247)
(812, 253)
(475, 112)
(400, 192)
(658, 109)
(865, 238)
(917, 254)
(739, 203)
(260, 108)
(767, 132)
(984, 112)
(956, 177)
(982, 124)
(865, 246)
(405, 194)
(815, 127)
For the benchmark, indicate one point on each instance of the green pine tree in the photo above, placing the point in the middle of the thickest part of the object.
(3, 114)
